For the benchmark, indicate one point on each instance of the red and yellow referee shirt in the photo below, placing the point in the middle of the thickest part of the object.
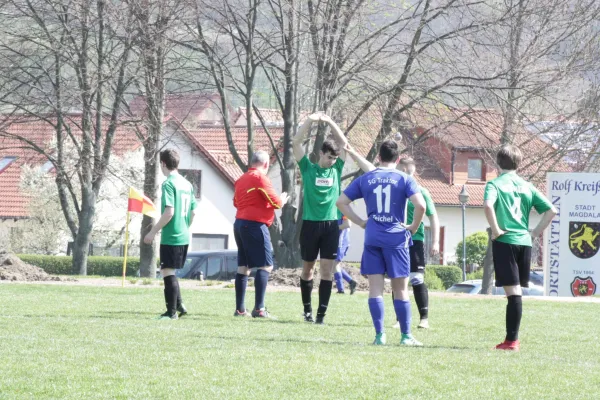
(255, 198)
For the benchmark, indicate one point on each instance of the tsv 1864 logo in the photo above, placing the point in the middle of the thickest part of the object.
(583, 286)
(584, 238)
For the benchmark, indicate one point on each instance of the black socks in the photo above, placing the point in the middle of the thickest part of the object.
(514, 311)
(324, 296)
(306, 288)
(422, 299)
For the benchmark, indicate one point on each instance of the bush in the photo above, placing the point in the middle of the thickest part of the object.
(449, 274)
(476, 248)
(475, 275)
(433, 281)
(102, 266)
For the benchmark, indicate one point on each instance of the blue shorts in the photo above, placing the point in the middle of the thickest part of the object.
(254, 244)
(341, 253)
(379, 260)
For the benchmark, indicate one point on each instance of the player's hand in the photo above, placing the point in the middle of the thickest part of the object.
(149, 238)
(349, 148)
(412, 228)
(284, 198)
(534, 233)
(435, 249)
(363, 223)
(316, 117)
(326, 118)
(497, 234)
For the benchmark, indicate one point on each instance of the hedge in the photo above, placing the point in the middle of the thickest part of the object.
(449, 274)
(97, 265)
(433, 281)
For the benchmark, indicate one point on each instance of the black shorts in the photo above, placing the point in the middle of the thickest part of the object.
(512, 264)
(254, 244)
(173, 256)
(319, 237)
(417, 256)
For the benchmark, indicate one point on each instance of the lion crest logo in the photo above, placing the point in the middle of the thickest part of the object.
(584, 238)
(583, 286)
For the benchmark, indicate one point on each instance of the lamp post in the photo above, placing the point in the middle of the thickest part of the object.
(463, 197)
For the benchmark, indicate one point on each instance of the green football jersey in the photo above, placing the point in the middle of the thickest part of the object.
(429, 211)
(178, 193)
(322, 187)
(513, 199)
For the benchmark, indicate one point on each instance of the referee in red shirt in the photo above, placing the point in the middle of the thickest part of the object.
(256, 201)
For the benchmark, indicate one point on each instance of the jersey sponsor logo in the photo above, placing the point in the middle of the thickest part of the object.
(326, 182)
(583, 286)
(584, 238)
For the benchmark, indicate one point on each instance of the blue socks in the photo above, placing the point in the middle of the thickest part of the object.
(260, 285)
(377, 311)
(338, 282)
(346, 276)
(402, 308)
(241, 281)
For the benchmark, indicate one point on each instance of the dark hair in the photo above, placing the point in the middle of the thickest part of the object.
(509, 157)
(331, 147)
(407, 161)
(171, 158)
(388, 151)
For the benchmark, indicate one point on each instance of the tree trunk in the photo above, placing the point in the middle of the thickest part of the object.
(148, 251)
(488, 267)
(84, 231)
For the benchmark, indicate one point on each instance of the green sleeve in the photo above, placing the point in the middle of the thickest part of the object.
(168, 194)
(339, 165)
(491, 192)
(430, 205)
(304, 163)
(539, 201)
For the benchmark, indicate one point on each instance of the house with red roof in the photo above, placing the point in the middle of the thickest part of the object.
(452, 148)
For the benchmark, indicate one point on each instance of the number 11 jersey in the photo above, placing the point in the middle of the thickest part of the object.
(385, 192)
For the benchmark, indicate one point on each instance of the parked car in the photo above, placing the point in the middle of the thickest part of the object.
(219, 265)
(474, 287)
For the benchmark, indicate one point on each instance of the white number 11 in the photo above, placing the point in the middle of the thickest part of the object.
(379, 191)
(185, 202)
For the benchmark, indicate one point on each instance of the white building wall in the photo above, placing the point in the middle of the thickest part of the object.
(215, 212)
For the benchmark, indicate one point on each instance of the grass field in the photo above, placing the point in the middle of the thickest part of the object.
(73, 342)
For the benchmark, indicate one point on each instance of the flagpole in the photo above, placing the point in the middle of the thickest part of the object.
(126, 243)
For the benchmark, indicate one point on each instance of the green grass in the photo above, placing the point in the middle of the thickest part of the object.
(74, 342)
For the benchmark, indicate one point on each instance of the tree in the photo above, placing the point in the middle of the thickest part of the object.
(153, 23)
(476, 248)
(59, 56)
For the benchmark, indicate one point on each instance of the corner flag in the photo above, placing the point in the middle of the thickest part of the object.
(137, 203)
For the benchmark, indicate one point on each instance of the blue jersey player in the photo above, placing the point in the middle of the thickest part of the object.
(344, 243)
(385, 191)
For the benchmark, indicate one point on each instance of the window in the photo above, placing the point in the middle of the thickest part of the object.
(194, 176)
(475, 169)
(203, 241)
(213, 269)
(5, 163)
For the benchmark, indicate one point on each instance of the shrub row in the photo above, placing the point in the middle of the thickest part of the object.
(449, 274)
(97, 265)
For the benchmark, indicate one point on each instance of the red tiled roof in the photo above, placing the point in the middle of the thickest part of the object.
(213, 141)
(473, 129)
(13, 202)
(185, 107)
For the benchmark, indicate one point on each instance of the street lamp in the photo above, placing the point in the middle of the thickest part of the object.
(463, 197)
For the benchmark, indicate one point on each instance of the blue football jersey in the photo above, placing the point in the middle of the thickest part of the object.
(385, 192)
(344, 236)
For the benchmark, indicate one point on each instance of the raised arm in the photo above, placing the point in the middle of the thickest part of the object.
(362, 162)
(547, 218)
(302, 135)
(338, 135)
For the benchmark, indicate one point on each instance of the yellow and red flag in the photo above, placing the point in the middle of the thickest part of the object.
(139, 203)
